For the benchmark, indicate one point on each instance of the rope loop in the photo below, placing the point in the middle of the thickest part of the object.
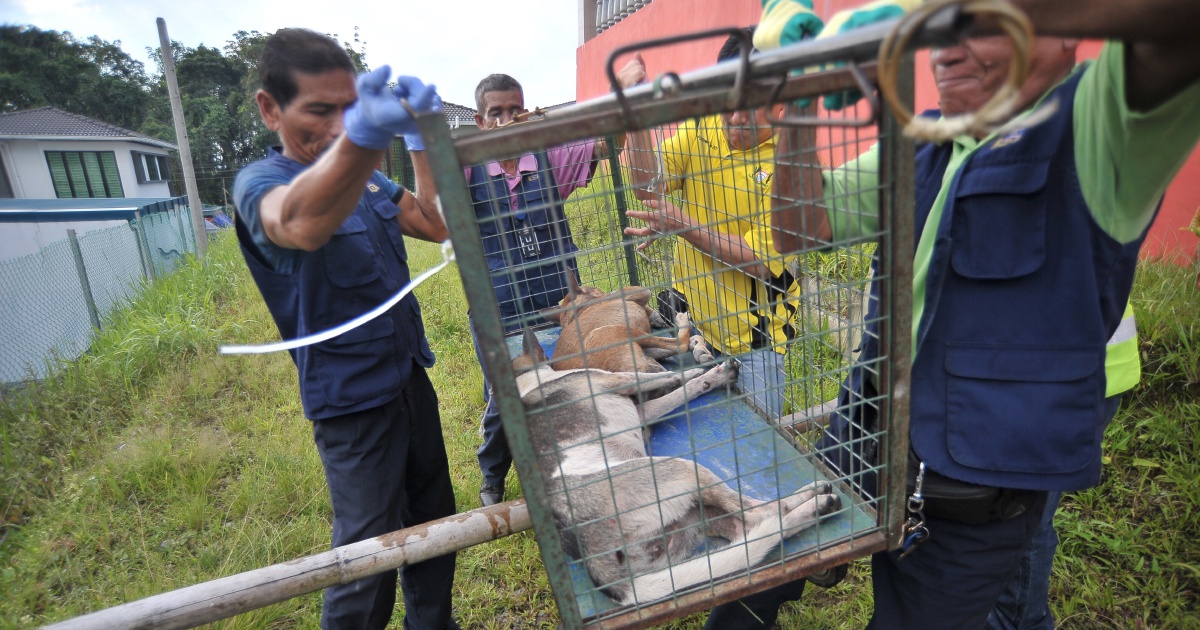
(998, 110)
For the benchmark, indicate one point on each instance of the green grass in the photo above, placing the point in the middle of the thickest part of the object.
(153, 463)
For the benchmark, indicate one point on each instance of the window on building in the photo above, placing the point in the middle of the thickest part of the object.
(6, 191)
(151, 167)
(80, 174)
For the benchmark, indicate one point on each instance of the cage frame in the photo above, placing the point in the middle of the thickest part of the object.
(702, 92)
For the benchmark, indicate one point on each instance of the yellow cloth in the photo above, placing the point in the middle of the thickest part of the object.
(729, 192)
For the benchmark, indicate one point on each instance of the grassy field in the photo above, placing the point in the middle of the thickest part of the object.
(153, 463)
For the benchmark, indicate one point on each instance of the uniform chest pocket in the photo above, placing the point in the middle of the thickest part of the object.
(350, 257)
(388, 211)
(999, 222)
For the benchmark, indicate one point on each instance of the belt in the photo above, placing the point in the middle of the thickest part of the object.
(967, 503)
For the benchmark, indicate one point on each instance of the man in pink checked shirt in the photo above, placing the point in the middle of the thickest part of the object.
(526, 238)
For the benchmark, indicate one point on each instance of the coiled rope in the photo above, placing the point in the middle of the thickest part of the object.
(992, 116)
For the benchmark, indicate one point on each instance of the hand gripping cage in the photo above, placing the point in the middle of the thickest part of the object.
(802, 313)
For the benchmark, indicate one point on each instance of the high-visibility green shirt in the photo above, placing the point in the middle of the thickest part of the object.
(1124, 160)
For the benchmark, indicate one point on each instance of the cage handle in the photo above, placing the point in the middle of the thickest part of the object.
(738, 98)
(864, 86)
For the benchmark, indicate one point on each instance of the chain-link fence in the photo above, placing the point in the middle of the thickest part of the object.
(55, 299)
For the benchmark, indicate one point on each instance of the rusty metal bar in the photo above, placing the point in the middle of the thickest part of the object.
(760, 579)
(225, 597)
(896, 257)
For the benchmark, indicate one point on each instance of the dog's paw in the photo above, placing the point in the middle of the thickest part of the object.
(828, 504)
(816, 487)
(731, 368)
(683, 320)
(807, 514)
(699, 348)
(657, 321)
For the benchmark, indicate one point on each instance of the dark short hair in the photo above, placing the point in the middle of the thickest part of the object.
(292, 50)
(495, 83)
(733, 46)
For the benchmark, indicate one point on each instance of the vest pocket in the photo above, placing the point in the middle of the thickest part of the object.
(999, 210)
(350, 259)
(1023, 409)
(358, 365)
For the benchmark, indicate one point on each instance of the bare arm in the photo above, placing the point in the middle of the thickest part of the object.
(305, 213)
(731, 249)
(419, 215)
(796, 221)
(1162, 48)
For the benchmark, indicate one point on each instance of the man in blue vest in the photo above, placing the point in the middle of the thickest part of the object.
(1026, 247)
(526, 237)
(323, 235)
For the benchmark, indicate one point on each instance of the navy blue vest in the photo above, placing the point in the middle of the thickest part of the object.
(1024, 290)
(361, 266)
(531, 277)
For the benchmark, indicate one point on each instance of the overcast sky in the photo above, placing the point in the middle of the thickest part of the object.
(452, 43)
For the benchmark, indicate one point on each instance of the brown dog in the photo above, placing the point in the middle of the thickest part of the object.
(611, 331)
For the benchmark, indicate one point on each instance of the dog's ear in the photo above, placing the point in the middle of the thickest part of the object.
(531, 355)
(533, 349)
(572, 285)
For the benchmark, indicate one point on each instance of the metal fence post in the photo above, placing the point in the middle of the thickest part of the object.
(83, 280)
(614, 165)
(139, 235)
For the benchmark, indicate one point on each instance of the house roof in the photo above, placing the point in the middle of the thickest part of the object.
(450, 110)
(51, 123)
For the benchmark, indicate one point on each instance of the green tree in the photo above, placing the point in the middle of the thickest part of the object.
(93, 77)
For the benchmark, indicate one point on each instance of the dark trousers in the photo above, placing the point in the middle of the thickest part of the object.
(495, 459)
(954, 578)
(386, 468)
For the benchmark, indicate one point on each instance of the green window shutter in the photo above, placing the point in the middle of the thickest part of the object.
(95, 178)
(75, 174)
(112, 176)
(58, 173)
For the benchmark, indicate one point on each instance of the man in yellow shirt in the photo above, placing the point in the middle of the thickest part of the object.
(737, 290)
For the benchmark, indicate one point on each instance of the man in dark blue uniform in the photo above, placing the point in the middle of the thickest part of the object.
(323, 234)
(1026, 245)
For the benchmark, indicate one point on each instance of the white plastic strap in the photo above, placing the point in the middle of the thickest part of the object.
(447, 258)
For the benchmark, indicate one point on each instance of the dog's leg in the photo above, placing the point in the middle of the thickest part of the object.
(720, 375)
(633, 383)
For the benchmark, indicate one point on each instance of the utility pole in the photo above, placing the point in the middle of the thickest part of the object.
(181, 138)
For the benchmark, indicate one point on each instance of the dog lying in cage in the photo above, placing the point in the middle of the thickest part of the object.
(636, 520)
(612, 331)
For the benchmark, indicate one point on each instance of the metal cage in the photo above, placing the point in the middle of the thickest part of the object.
(813, 323)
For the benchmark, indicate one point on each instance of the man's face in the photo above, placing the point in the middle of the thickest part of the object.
(746, 129)
(313, 119)
(969, 74)
(500, 108)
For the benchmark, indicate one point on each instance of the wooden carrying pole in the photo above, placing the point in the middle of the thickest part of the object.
(181, 138)
(225, 597)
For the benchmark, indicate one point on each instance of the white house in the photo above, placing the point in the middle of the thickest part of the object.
(47, 153)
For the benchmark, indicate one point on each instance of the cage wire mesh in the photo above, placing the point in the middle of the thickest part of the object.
(662, 479)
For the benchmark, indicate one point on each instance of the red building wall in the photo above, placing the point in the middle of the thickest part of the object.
(663, 18)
